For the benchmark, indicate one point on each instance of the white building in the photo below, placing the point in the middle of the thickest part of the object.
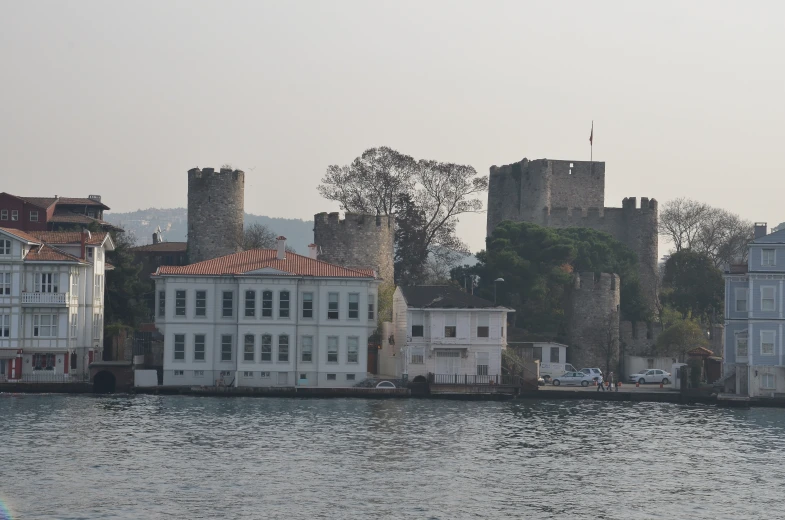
(51, 303)
(265, 317)
(444, 331)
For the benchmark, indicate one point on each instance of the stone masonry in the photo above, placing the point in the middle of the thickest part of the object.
(215, 213)
(593, 324)
(364, 241)
(564, 194)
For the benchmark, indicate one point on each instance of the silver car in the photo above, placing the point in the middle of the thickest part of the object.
(574, 378)
(651, 376)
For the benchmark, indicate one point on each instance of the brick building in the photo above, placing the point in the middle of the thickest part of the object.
(52, 213)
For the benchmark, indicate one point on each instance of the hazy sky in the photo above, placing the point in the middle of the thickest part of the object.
(122, 98)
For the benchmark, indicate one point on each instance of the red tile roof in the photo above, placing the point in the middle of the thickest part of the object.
(67, 217)
(41, 202)
(162, 247)
(700, 351)
(246, 261)
(21, 234)
(45, 253)
(68, 237)
(45, 202)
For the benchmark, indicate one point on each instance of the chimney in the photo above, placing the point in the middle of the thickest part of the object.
(313, 251)
(760, 230)
(82, 242)
(281, 248)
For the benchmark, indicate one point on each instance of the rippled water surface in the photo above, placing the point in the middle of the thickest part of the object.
(184, 457)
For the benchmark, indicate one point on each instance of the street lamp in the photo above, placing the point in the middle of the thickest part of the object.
(494, 288)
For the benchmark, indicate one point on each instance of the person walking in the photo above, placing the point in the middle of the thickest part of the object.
(610, 380)
(600, 386)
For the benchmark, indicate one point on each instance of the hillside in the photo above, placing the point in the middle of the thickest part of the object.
(174, 223)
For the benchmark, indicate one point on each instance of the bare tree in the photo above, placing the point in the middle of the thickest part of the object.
(609, 347)
(258, 236)
(680, 221)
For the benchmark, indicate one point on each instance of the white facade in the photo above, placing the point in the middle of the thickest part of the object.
(51, 304)
(265, 327)
(453, 341)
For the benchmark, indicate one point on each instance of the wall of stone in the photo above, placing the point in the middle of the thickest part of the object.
(593, 324)
(216, 202)
(638, 338)
(364, 241)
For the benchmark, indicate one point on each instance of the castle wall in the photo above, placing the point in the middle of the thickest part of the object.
(577, 184)
(593, 325)
(215, 213)
(364, 241)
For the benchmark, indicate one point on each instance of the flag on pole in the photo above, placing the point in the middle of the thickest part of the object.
(591, 135)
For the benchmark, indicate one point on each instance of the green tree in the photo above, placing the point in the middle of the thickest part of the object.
(411, 253)
(125, 290)
(680, 337)
(693, 286)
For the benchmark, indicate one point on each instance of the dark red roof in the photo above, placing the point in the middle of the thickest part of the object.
(45, 202)
(68, 237)
(162, 247)
(45, 253)
(255, 259)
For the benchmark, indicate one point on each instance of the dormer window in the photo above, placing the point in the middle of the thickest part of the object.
(33, 216)
(768, 257)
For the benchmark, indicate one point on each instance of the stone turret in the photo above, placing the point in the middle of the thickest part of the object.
(215, 213)
(593, 328)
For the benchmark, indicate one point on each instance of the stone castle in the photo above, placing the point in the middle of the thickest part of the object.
(216, 203)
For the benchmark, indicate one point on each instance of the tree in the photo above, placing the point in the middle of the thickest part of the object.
(609, 348)
(258, 236)
(680, 337)
(125, 290)
(723, 236)
(693, 286)
(425, 197)
(780, 227)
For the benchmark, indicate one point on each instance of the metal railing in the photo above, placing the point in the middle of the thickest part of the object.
(44, 376)
(44, 298)
(474, 380)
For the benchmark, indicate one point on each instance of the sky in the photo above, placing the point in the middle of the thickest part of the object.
(123, 98)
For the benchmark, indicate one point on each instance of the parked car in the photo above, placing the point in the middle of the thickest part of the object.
(575, 378)
(595, 373)
(651, 376)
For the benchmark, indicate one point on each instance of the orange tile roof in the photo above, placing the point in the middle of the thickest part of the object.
(69, 237)
(254, 259)
(45, 253)
(21, 234)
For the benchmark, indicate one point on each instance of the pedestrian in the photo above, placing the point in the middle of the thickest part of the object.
(600, 385)
(610, 380)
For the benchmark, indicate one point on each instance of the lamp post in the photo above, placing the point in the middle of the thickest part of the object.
(494, 288)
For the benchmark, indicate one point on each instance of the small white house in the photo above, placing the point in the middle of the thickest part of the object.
(444, 331)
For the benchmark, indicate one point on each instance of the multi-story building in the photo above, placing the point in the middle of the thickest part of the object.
(265, 317)
(754, 318)
(51, 303)
(52, 213)
(444, 331)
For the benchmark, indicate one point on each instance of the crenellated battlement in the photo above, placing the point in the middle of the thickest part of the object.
(589, 281)
(353, 220)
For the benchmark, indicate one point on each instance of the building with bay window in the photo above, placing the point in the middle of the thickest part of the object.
(265, 317)
(51, 303)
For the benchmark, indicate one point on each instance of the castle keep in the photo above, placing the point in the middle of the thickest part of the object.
(563, 194)
(215, 213)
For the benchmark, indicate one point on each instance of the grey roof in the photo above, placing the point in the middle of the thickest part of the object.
(778, 237)
(443, 297)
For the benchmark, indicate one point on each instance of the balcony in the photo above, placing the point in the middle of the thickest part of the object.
(38, 298)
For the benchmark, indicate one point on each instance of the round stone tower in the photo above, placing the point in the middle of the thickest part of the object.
(215, 213)
(593, 325)
(359, 241)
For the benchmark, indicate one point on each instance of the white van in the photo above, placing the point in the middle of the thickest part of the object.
(550, 370)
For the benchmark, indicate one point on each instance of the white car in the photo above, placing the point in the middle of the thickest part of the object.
(651, 376)
(574, 378)
(595, 373)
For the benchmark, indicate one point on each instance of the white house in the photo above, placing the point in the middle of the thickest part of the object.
(444, 331)
(265, 317)
(51, 303)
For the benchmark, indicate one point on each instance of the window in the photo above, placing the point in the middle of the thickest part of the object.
(417, 324)
(767, 295)
(228, 304)
(201, 303)
(767, 381)
(5, 325)
(250, 304)
(161, 303)
(307, 349)
(3, 214)
(767, 338)
(449, 325)
(5, 284)
(198, 373)
(555, 354)
(249, 348)
(43, 361)
(199, 347)
(307, 305)
(768, 257)
(283, 304)
(46, 283)
(225, 373)
(14, 214)
(283, 348)
(89, 253)
(179, 347)
(267, 304)
(354, 306)
(267, 348)
(352, 349)
(247, 374)
(99, 287)
(226, 347)
(5, 247)
(264, 375)
(417, 331)
(331, 377)
(74, 284)
(33, 216)
(179, 373)
(741, 299)
(332, 306)
(350, 377)
(332, 349)
(482, 363)
(482, 325)
(741, 345)
(74, 326)
(418, 358)
(179, 303)
(97, 326)
(45, 325)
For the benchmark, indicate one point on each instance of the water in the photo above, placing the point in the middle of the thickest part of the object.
(70, 457)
